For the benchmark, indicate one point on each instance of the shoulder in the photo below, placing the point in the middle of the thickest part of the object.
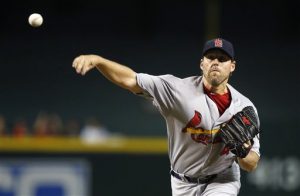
(163, 77)
(192, 79)
(169, 78)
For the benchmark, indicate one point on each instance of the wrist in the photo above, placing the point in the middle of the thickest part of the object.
(98, 60)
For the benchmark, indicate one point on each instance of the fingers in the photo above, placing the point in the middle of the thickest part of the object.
(247, 144)
(79, 64)
(86, 68)
(82, 64)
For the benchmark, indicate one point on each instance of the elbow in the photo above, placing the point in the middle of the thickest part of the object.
(131, 85)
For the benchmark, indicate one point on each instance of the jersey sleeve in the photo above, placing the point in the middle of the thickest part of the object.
(160, 89)
(256, 144)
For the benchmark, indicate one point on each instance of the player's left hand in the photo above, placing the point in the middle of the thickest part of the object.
(247, 144)
(238, 133)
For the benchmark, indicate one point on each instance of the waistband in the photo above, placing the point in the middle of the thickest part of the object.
(200, 180)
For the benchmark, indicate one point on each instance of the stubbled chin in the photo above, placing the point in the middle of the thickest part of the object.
(214, 74)
(214, 78)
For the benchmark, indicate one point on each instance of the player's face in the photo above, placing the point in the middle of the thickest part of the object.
(217, 66)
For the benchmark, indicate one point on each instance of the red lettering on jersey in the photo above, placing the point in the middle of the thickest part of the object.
(199, 135)
(194, 125)
(201, 138)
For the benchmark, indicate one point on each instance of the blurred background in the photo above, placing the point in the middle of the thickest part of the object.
(64, 134)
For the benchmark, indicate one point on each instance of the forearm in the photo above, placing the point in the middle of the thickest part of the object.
(118, 74)
(249, 163)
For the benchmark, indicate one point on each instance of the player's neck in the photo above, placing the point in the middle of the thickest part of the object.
(219, 89)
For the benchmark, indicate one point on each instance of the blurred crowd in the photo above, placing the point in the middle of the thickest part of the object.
(51, 124)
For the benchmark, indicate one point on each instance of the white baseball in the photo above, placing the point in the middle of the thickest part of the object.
(35, 20)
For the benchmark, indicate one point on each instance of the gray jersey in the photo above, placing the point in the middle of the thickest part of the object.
(193, 122)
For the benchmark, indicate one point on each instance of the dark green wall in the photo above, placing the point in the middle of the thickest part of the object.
(156, 37)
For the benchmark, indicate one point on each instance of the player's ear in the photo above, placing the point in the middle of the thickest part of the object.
(201, 64)
(233, 64)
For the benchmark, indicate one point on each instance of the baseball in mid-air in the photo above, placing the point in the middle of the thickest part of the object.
(35, 20)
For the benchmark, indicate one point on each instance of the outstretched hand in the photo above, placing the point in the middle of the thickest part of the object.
(85, 63)
(120, 75)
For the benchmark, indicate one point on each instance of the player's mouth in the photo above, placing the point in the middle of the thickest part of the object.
(214, 70)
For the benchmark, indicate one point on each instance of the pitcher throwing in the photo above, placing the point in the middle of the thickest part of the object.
(213, 130)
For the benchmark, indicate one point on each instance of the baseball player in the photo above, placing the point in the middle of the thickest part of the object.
(195, 109)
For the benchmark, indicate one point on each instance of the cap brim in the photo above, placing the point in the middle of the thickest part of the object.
(217, 48)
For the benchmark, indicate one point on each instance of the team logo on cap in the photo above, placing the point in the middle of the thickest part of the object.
(218, 43)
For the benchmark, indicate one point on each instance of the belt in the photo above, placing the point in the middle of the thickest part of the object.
(201, 180)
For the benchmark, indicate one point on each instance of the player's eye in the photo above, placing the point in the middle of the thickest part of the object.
(222, 59)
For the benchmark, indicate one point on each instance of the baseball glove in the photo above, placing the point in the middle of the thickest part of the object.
(239, 130)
